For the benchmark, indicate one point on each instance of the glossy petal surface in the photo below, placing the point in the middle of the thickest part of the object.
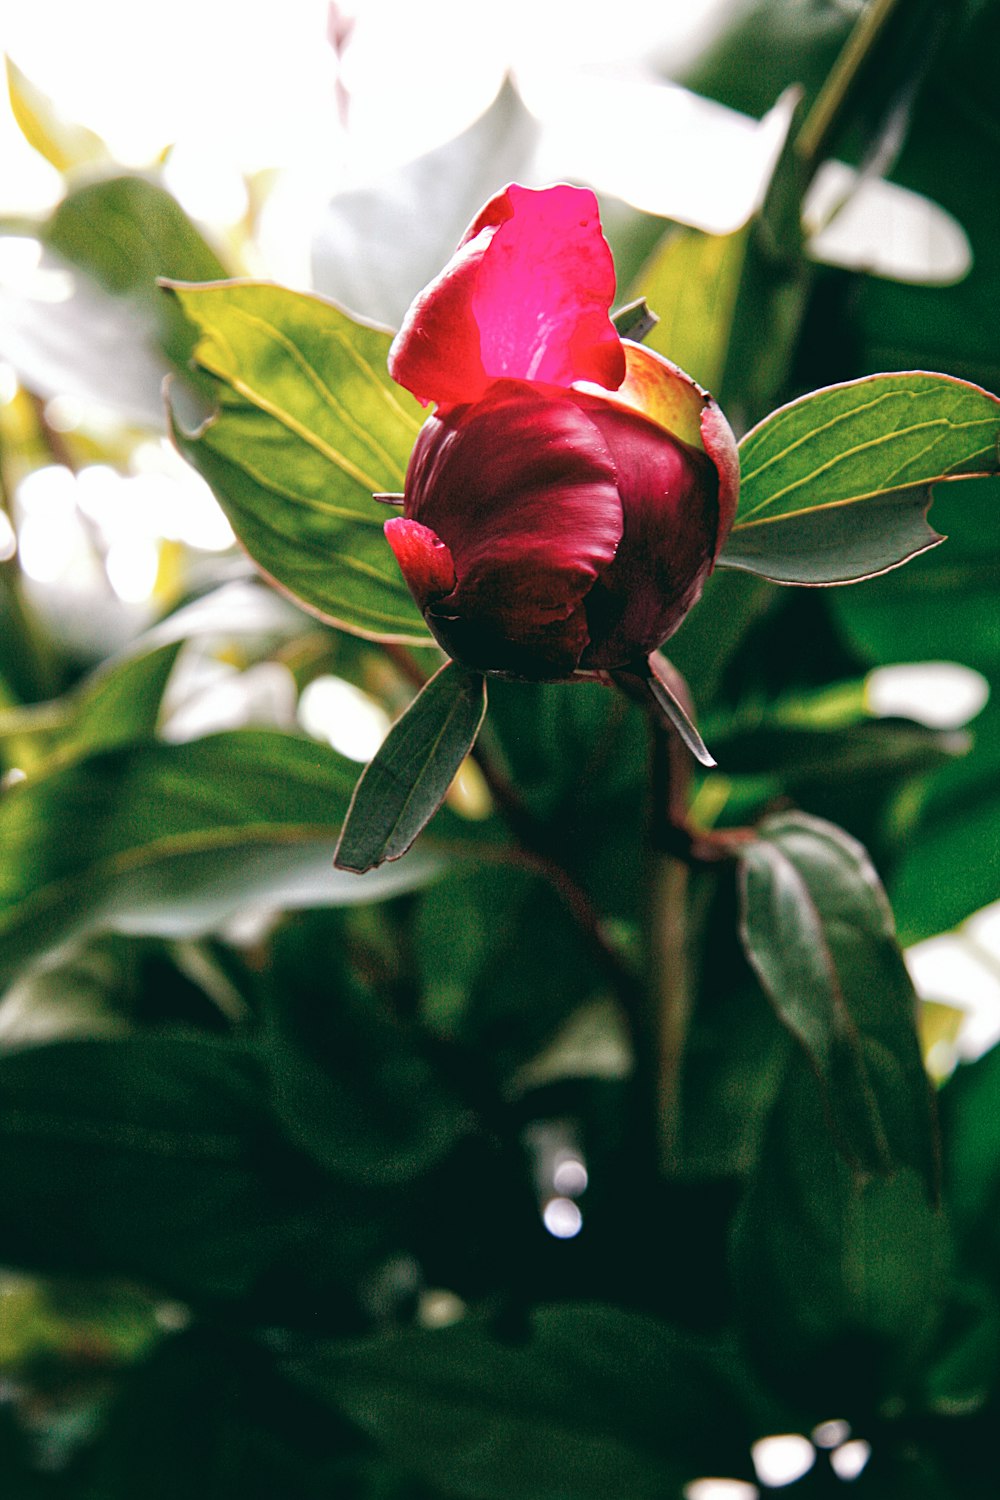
(669, 500)
(523, 491)
(526, 296)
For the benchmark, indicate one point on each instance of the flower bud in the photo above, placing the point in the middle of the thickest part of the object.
(569, 496)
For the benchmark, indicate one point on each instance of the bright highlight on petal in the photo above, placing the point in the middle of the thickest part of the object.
(526, 297)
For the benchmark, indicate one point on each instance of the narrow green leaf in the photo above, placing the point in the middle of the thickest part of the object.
(405, 784)
(175, 839)
(119, 704)
(308, 428)
(668, 690)
(835, 486)
(818, 931)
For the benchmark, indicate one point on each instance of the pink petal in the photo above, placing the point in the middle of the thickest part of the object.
(526, 297)
(423, 558)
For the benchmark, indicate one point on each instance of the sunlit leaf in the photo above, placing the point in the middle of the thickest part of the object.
(819, 934)
(126, 231)
(308, 427)
(835, 486)
(175, 839)
(405, 784)
(691, 281)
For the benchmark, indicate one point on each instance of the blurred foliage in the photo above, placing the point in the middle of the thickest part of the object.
(293, 1161)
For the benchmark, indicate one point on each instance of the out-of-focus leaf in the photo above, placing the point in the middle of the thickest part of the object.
(118, 705)
(796, 755)
(945, 609)
(839, 1281)
(209, 1417)
(78, 994)
(502, 961)
(755, 48)
(948, 858)
(970, 1118)
(736, 1050)
(586, 1401)
(818, 931)
(175, 839)
(949, 864)
(66, 336)
(403, 787)
(350, 1081)
(835, 486)
(954, 132)
(866, 224)
(148, 1156)
(62, 142)
(715, 188)
(124, 232)
(377, 246)
(309, 426)
(691, 282)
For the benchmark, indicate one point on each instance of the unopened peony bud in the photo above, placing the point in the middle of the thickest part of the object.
(569, 496)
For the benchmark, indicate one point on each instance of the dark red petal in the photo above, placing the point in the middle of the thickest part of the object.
(423, 558)
(669, 494)
(522, 489)
(526, 296)
(667, 395)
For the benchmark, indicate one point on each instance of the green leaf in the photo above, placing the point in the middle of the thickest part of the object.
(308, 427)
(691, 281)
(209, 1417)
(175, 839)
(970, 1117)
(350, 1080)
(403, 787)
(818, 932)
(668, 690)
(839, 1282)
(125, 232)
(834, 486)
(585, 1401)
(142, 1156)
(119, 704)
(112, 337)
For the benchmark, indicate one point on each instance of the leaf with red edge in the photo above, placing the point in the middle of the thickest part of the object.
(836, 485)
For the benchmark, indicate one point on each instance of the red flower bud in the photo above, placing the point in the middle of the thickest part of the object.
(569, 496)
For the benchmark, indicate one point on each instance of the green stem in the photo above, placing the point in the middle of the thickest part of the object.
(835, 96)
